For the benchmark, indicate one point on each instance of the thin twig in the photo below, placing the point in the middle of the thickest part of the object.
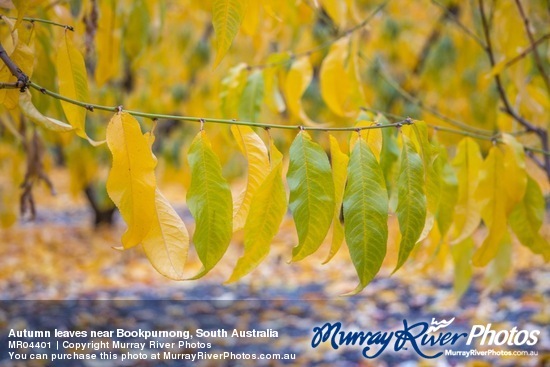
(326, 44)
(536, 55)
(455, 19)
(45, 21)
(92, 107)
(542, 133)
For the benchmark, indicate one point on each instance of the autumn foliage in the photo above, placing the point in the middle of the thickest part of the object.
(351, 115)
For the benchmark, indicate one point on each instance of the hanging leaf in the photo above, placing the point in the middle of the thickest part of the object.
(492, 196)
(339, 162)
(137, 29)
(73, 83)
(131, 183)
(107, 43)
(167, 243)
(336, 9)
(255, 152)
(468, 163)
(22, 7)
(311, 201)
(267, 211)
(209, 201)
(527, 217)
(411, 207)
(232, 88)
(272, 96)
(297, 80)
(449, 192)
(28, 109)
(251, 99)
(339, 84)
(365, 213)
(227, 16)
(462, 255)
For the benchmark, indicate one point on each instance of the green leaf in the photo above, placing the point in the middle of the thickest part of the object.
(527, 217)
(411, 207)
(137, 29)
(227, 16)
(365, 213)
(267, 210)
(251, 99)
(311, 201)
(339, 162)
(209, 201)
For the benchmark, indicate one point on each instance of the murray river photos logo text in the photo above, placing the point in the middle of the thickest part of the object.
(422, 338)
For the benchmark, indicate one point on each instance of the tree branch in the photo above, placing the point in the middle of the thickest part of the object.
(536, 55)
(22, 78)
(542, 133)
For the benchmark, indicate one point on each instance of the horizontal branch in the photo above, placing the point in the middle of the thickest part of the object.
(202, 120)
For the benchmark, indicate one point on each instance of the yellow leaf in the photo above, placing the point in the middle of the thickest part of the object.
(21, 6)
(73, 83)
(107, 43)
(339, 163)
(255, 152)
(373, 138)
(491, 194)
(232, 87)
(227, 16)
(468, 163)
(131, 183)
(297, 80)
(339, 86)
(28, 109)
(272, 96)
(252, 17)
(514, 163)
(167, 243)
(336, 9)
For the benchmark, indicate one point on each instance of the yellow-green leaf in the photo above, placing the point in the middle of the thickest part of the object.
(468, 163)
(28, 109)
(131, 183)
(365, 213)
(267, 210)
(73, 83)
(297, 80)
(209, 201)
(527, 217)
(311, 201)
(411, 207)
(227, 16)
(137, 28)
(462, 254)
(232, 88)
(255, 152)
(21, 6)
(167, 243)
(339, 162)
(491, 194)
(251, 99)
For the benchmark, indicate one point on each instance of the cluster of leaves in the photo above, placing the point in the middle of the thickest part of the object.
(374, 170)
